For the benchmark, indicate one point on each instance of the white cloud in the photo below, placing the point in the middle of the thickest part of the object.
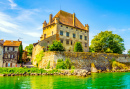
(39, 28)
(33, 34)
(5, 30)
(24, 45)
(12, 4)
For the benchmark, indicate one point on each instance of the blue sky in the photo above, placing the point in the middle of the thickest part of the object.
(24, 18)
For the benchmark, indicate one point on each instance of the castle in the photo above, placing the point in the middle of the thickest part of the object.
(64, 27)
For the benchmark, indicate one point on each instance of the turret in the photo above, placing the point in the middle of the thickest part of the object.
(87, 27)
(44, 24)
(56, 20)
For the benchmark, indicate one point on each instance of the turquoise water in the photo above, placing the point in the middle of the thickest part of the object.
(95, 81)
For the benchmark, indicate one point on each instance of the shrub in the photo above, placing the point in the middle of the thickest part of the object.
(78, 47)
(67, 64)
(56, 46)
(39, 57)
(48, 66)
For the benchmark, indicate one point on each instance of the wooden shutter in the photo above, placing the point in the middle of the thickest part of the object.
(13, 48)
(6, 64)
(10, 64)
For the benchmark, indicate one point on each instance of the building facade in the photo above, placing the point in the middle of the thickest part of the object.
(1, 52)
(64, 27)
(11, 53)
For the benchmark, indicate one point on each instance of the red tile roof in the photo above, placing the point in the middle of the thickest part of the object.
(12, 43)
(67, 19)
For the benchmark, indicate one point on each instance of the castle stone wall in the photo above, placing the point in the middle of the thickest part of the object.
(83, 60)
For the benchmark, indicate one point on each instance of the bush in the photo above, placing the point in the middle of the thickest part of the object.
(78, 47)
(56, 46)
(67, 64)
(48, 66)
(39, 57)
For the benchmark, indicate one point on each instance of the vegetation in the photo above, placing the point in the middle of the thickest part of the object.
(29, 49)
(56, 46)
(67, 64)
(39, 57)
(107, 42)
(129, 52)
(25, 70)
(78, 47)
(20, 53)
(48, 66)
(117, 65)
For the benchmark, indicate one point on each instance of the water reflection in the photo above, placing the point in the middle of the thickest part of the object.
(96, 81)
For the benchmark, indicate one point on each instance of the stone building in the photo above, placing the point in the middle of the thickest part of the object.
(1, 52)
(11, 53)
(65, 27)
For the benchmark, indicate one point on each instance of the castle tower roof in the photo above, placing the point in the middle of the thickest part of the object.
(67, 19)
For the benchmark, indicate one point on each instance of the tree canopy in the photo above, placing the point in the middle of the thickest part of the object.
(29, 49)
(107, 42)
(56, 46)
(78, 47)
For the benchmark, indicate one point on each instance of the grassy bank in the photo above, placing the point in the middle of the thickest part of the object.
(25, 70)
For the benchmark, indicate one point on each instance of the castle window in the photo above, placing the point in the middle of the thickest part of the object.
(72, 28)
(47, 41)
(85, 37)
(67, 34)
(61, 33)
(81, 30)
(61, 40)
(80, 36)
(52, 32)
(85, 31)
(66, 27)
(85, 44)
(76, 30)
(61, 25)
(10, 48)
(44, 36)
(71, 42)
(67, 41)
(73, 35)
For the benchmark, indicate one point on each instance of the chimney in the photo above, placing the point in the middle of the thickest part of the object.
(73, 19)
(50, 19)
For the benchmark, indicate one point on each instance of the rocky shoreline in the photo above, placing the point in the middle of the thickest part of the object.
(79, 72)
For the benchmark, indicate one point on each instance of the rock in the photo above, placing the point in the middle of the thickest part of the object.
(94, 70)
(89, 73)
(84, 74)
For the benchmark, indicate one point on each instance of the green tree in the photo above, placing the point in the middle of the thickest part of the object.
(129, 51)
(20, 53)
(78, 47)
(107, 42)
(60, 64)
(56, 46)
(29, 49)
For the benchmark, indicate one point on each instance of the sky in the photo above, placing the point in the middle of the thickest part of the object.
(22, 19)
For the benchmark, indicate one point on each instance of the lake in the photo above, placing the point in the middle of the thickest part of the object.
(94, 81)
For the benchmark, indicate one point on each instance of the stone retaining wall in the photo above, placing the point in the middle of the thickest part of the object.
(83, 60)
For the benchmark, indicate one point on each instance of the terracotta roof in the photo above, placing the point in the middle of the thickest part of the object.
(67, 19)
(12, 43)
